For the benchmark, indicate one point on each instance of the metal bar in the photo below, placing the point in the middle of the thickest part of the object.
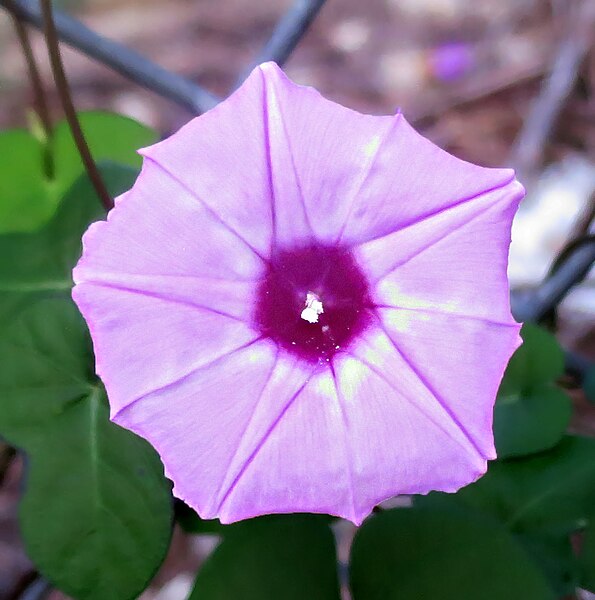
(536, 304)
(127, 62)
(38, 589)
(533, 305)
(286, 35)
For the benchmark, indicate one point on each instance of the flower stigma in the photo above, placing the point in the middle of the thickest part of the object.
(313, 308)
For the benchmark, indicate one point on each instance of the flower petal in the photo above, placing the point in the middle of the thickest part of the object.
(460, 360)
(440, 263)
(303, 464)
(406, 439)
(359, 176)
(321, 152)
(145, 270)
(410, 180)
(225, 413)
(159, 228)
(169, 286)
(233, 299)
(224, 159)
(132, 359)
(367, 431)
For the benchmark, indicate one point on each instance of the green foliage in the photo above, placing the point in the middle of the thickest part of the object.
(587, 562)
(552, 491)
(42, 261)
(288, 557)
(95, 493)
(554, 553)
(110, 137)
(39, 264)
(96, 513)
(35, 175)
(415, 553)
(544, 489)
(24, 198)
(531, 413)
(540, 499)
(190, 522)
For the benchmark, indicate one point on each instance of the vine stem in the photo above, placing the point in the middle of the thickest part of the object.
(51, 38)
(121, 59)
(39, 97)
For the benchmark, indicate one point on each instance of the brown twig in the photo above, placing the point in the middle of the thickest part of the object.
(39, 97)
(528, 147)
(51, 38)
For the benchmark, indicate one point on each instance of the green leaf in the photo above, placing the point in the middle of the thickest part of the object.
(28, 196)
(531, 422)
(531, 413)
(418, 553)
(540, 359)
(24, 201)
(587, 558)
(96, 515)
(552, 551)
(549, 492)
(554, 554)
(289, 557)
(541, 499)
(110, 137)
(40, 263)
(191, 523)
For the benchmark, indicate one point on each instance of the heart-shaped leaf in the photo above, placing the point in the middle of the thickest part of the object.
(587, 558)
(24, 199)
(111, 137)
(40, 263)
(531, 413)
(285, 556)
(96, 515)
(552, 491)
(418, 553)
(34, 176)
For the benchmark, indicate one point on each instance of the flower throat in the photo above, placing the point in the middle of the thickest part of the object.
(313, 301)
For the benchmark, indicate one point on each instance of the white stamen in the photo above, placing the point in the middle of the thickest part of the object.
(313, 308)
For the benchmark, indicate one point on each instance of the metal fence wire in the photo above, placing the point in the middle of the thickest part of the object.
(531, 306)
(132, 65)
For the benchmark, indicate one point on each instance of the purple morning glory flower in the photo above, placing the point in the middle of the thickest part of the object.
(451, 61)
(303, 308)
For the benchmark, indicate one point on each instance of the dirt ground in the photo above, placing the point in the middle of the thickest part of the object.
(466, 73)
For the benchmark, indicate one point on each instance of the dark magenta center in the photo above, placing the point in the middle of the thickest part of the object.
(313, 301)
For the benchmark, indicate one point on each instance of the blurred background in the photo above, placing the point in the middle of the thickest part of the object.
(496, 82)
